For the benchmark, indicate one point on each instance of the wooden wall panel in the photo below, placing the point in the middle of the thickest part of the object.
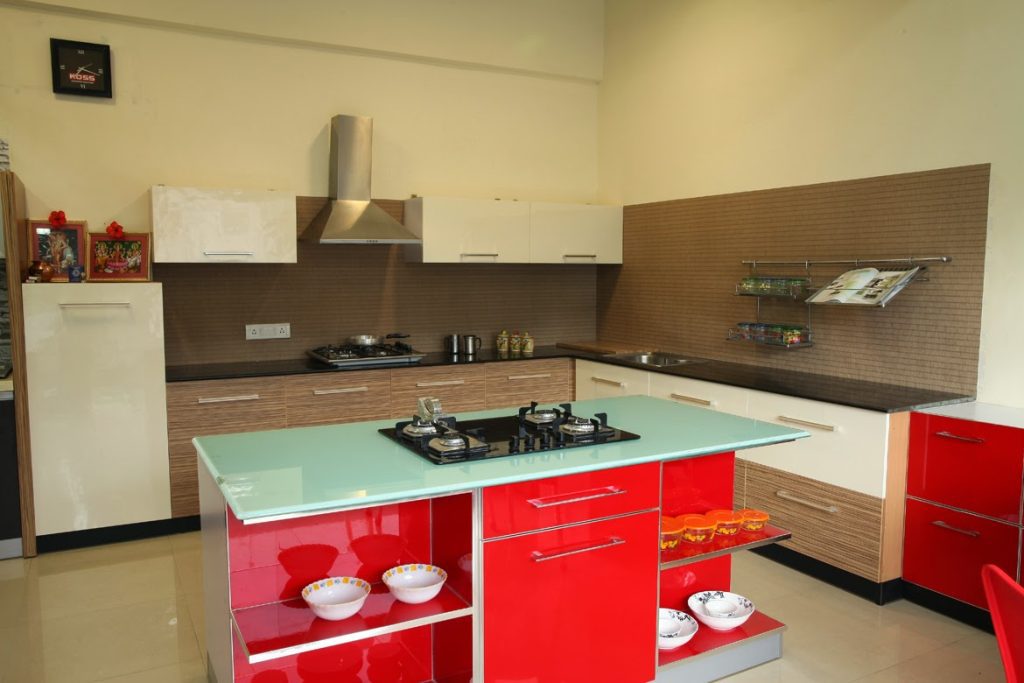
(682, 259)
(335, 291)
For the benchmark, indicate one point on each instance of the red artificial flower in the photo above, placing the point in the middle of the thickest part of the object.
(115, 230)
(57, 219)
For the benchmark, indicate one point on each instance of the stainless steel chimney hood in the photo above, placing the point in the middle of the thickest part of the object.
(350, 217)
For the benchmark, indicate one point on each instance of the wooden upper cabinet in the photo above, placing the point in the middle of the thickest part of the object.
(333, 398)
(468, 230)
(195, 225)
(575, 233)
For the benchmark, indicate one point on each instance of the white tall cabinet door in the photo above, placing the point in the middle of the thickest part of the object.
(469, 230)
(575, 233)
(600, 380)
(97, 404)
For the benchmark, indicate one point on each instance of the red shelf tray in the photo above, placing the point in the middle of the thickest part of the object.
(285, 628)
(708, 639)
(686, 553)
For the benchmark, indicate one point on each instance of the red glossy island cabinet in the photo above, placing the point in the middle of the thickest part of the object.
(963, 504)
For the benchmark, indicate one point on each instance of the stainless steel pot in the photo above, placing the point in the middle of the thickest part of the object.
(373, 340)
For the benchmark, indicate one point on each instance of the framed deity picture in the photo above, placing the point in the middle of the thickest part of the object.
(119, 260)
(62, 247)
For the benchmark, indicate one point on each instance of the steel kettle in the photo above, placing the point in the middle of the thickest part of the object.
(469, 344)
(451, 344)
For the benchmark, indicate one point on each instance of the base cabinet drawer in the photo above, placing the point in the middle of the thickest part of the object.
(333, 398)
(541, 589)
(944, 550)
(600, 380)
(543, 503)
(840, 527)
(461, 389)
(516, 383)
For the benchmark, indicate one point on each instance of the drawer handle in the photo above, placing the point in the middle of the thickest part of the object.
(97, 304)
(565, 256)
(830, 509)
(692, 399)
(494, 255)
(229, 399)
(966, 532)
(441, 383)
(513, 378)
(346, 390)
(957, 437)
(602, 380)
(229, 253)
(538, 556)
(807, 423)
(577, 497)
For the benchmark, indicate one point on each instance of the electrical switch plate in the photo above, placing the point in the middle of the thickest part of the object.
(268, 331)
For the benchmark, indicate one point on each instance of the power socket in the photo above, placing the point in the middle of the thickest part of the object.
(268, 331)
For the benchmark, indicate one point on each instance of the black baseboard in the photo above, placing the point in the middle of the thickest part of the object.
(943, 604)
(69, 540)
(878, 593)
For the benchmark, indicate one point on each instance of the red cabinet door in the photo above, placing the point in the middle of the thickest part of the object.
(573, 604)
(969, 465)
(944, 550)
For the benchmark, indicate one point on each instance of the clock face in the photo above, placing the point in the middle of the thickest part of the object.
(80, 68)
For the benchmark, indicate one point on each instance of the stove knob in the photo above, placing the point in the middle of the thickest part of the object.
(545, 439)
(513, 444)
(528, 443)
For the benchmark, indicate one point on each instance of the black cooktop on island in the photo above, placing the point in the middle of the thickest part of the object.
(443, 440)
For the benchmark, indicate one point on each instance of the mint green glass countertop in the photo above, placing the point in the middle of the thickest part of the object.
(307, 469)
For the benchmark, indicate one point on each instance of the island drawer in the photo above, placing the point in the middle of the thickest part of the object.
(516, 383)
(544, 503)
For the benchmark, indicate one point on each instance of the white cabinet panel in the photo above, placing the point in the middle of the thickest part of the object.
(599, 380)
(575, 233)
(847, 448)
(468, 230)
(97, 404)
(721, 397)
(195, 225)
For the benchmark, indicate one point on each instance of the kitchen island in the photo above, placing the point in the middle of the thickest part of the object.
(283, 508)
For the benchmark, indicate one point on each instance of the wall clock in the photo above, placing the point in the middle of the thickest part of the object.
(80, 68)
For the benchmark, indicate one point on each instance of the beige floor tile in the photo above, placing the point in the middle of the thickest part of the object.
(17, 580)
(187, 541)
(187, 672)
(189, 567)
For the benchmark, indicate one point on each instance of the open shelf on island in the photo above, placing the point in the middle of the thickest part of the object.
(280, 629)
(708, 641)
(685, 553)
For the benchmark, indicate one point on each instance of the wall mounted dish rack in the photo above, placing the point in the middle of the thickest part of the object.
(801, 288)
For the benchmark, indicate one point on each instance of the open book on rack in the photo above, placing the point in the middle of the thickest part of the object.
(864, 286)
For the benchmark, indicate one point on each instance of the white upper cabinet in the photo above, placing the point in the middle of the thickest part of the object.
(469, 230)
(194, 225)
(575, 233)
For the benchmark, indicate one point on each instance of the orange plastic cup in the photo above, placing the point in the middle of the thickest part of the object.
(697, 528)
(753, 520)
(727, 522)
(671, 532)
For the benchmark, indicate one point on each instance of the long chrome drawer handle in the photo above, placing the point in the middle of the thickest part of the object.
(97, 304)
(957, 437)
(831, 509)
(565, 256)
(966, 532)
(538, 556)
(807, 423)
(578, 497)
(441, 383)
(494, 255)
(692, 399)
(512, 378)
(602, 380)
(346, 390)
(229, 253)
(229, 399)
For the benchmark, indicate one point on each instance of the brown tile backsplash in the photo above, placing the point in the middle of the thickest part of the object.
(682, 260)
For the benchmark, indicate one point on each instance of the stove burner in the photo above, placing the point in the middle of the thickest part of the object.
(576, 425)
(542, 416)
(418, 428)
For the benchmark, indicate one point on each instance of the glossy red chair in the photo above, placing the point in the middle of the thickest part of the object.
(1006, 604)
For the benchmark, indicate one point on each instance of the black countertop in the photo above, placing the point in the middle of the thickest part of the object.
(886, 398)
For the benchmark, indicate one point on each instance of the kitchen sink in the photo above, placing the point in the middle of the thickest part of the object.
(657, 359)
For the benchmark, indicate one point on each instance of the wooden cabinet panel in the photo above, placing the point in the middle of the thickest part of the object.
(600, 380)
(829, 523)
(214, 407)
(516, 383)
(333, 398)
(460, 389)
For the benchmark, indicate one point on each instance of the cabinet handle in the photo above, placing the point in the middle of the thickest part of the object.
(538, 556)
(229, 253)
(494, 255)
(441, 383)
(807, 423)
(565, 256)
(692, 399)
(602, 380)
(513, 378)
(97, 304)
(966, 532)
(229, 399)
(830, 509)
(957, 437)
(346, 390)
(576, 497)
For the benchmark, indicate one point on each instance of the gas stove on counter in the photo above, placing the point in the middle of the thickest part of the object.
(443, 440)
(366, 350)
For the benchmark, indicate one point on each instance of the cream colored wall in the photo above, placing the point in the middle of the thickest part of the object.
(705, 97)
(217, 106)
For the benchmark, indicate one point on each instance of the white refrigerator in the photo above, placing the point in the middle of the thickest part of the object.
(97, 404)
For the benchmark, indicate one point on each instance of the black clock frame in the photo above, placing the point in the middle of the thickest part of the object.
(103, 53)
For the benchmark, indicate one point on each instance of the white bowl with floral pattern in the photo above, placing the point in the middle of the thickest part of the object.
(337, 597)
(675, 628)
(415, 583)
(720, 610)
